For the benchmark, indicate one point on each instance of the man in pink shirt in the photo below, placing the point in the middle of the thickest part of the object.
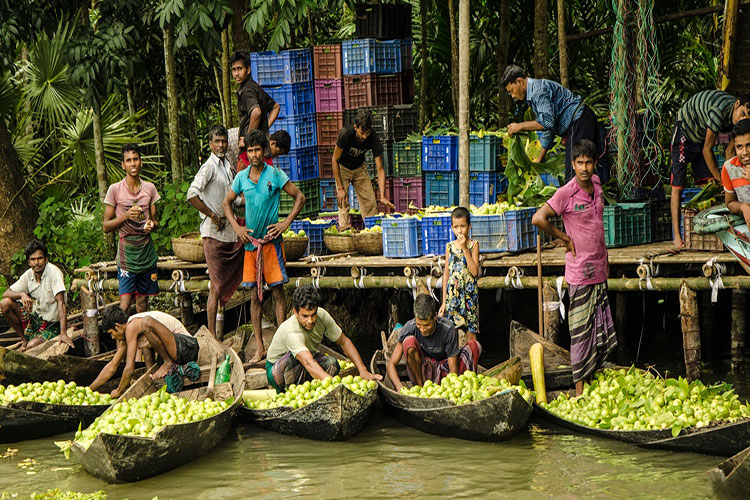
(579, 203)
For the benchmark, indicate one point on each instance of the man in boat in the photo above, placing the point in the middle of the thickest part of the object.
(264, 252)
(224, 252)
(155, 330)
(130, 209)
(293, 355)
(735, 176)
(34, 306)
(558, 112)
(257, 110)
(699, 122)
(430, 344)
(581, 206)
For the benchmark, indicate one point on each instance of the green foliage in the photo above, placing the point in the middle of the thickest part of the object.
(195, 23)
(176, 216)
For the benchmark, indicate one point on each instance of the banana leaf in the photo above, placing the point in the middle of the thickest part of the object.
(525, 186)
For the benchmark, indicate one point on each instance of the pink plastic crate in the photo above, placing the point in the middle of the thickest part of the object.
(407, 190)
(329, 95)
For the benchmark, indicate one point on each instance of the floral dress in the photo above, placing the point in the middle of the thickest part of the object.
(462, 296)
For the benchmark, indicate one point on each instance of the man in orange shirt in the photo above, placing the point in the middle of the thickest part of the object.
(736, 172)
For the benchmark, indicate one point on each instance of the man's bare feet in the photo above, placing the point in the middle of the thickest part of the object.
(162, 371)
(259, 356)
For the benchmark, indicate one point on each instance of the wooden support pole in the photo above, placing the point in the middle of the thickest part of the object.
(90, 324)
(551, 313)
(731, 17)
(707, 323)
(186, 308)
(691, 338)
(739, 298)
(219, 321)
(621, 319)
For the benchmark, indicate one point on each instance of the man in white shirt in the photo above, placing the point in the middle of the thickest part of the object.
(35, 304)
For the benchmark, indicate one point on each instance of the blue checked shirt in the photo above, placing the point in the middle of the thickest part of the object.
(555, 107)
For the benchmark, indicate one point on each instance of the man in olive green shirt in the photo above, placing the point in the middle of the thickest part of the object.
(293, 355)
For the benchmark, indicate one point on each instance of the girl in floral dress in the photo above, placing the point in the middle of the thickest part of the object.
(460, 291)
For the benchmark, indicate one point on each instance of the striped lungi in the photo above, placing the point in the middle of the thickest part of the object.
(592, 332)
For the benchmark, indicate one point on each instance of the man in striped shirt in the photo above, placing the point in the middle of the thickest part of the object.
(699, 122)
(558, 112)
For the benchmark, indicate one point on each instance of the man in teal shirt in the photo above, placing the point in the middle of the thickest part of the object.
(264, 253)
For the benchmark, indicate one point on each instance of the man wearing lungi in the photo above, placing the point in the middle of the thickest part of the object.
(224, 253)
(264, 252)
(293, 355)
(580, 204)
(430, 344)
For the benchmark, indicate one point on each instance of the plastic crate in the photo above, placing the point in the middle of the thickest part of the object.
(661, 220)
(407, 86)
(440, 153)
(383, 21)
(329, 125)
(441, 188)
(387, 161)
(358, 56)
(311, 189)
(353, 201)
(511, 231)
(483, 188)
(388, 57)
(627, 224)
(483, 153)
(289, 66)
(408, 191)
(688, 193)
(300, 164)
(356, 221)
(550, 180)
(315, 235)
(325, 160)
(407, 159)
(327, 62)
(293, 98)
(402, 237)
(404, 121)
(329, 95)
(388, 193)
(328, 198)
(406, 50)
(388, 90)
(380, 121)
(301, 129)
(556, 221)
(359, 91)
(695, 241)
(436, 233)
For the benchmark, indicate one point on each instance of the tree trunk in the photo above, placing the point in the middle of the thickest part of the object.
(131, 100)
(561, 33)
(423, 64)
(225, 78)
(160, 129)
(463, 102)
(311, 26)
(239, 35)
(541, 39)
(17, 210)
(222, 101)
(173, 106)
(503, 45)
(454, 55)
(101, 164)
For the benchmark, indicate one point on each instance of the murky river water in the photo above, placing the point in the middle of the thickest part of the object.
(390, 460)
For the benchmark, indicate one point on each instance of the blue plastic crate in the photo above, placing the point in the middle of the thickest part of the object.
(377, 220)
(315, 234)
(328, 199)
(301, 129)
(298, 225)
(300, 164)
(688, 193)
(483, 153)
(550, 180)
(440, 153)
(358, 56)
(483, 187)
(388, 57)
(436, 233)
(293, 98)
(508, 232)
(353, 201)
(406, 54)
(289, 66)
(402, 237)
(441, 188)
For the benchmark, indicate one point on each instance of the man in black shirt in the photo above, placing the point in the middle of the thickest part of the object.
(257, 109)
(349, 167)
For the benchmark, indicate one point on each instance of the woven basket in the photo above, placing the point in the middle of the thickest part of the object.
(370, 243)
(189, 247)
(295, 247)
(336, 243)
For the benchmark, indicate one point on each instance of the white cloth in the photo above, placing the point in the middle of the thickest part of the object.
(170, 322)
(43, 292)
(211, 184)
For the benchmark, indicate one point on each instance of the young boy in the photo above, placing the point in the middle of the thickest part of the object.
(130, 208)
(579, 203)
(736, 173)
(257, 110)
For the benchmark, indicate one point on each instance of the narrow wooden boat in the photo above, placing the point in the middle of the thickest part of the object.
(497, 418)
(731, 230)
(558, 373)
(117, 458)
(19, 367)
(731, 478)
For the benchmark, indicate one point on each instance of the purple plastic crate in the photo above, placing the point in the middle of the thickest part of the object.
(408, 191)
(329, 95)
(436, 233)
(300, 164)
(293, 98)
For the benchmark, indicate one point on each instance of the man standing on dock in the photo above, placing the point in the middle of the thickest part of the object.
(224, 252)
(264, 252)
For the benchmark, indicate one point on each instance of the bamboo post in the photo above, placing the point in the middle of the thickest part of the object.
(90, 324)
(551, 313)
(621, 321)
(738, 330)
(186, 308)
(691, 338)
(731, 16)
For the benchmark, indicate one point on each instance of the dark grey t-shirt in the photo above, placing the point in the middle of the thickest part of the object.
(353, 154)
(442, 344)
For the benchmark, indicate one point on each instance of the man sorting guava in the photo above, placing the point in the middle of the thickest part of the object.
(145, 331)
(293, 355)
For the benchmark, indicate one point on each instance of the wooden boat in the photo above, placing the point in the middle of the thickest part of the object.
(19, 367)
(731, 230)
(558, 373)
(116, 458)
(731, 478)
(497, 418)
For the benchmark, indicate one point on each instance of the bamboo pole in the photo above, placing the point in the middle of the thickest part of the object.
(551, 313)
(738, 330)
(731, 16)
(90, 326)
(691, 335)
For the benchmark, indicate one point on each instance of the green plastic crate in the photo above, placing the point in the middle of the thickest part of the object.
(311, 189)
(627, 224)
(407, 159)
